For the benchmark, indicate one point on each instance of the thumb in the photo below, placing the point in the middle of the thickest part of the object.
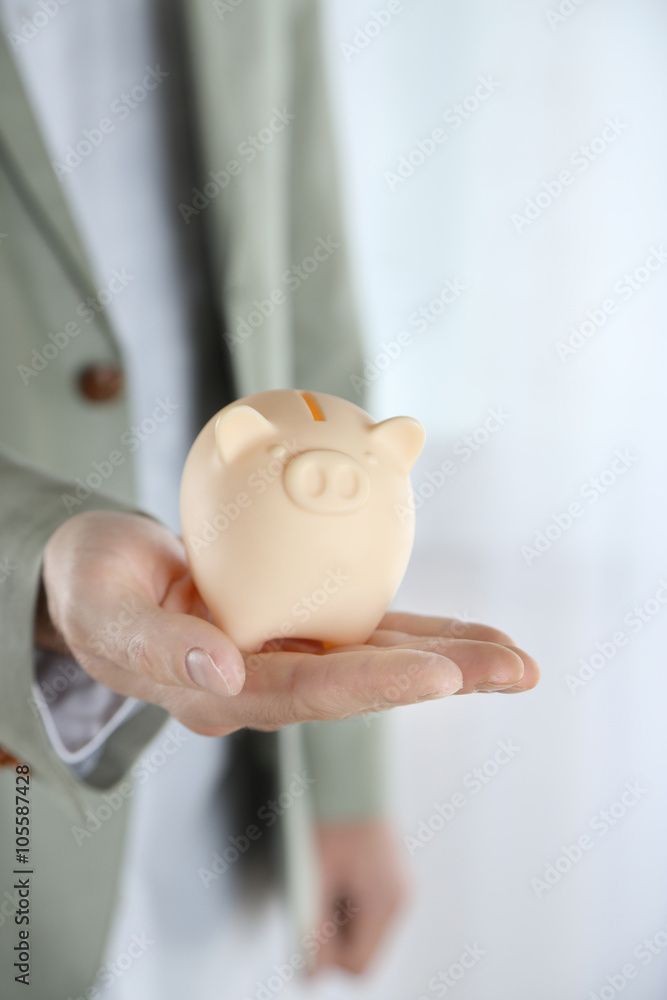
(176, 650)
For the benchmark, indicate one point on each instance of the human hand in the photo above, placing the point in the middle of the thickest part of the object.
(363, 885)
(473, 647)
(119, 596)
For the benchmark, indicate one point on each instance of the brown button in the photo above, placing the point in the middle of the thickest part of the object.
(6, 759)
(100, 383)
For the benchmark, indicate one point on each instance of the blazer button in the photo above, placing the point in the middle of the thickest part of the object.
(6, 759)
(101, 383)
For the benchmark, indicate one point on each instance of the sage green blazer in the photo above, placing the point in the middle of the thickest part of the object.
(261, 55)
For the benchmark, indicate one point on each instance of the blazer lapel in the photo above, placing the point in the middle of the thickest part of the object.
(24, 157)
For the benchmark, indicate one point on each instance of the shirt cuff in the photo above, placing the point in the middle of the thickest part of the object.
(79, 714)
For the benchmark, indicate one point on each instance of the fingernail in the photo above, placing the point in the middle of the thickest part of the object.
(433, 695)
(492, 687)
(204, 671)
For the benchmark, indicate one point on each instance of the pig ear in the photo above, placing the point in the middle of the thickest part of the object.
(403, 437)
(240, 429)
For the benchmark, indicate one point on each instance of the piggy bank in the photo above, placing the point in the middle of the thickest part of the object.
(297, 516)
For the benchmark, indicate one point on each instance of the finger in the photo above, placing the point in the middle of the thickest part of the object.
(287, 687)
(358, 942)
(356, 950)
(485, 666)
(170, 649)
(453, 628)
(293, 645)
(204, 713)
(383, 638)
(328, 954)
(182, 595)
(531, 674)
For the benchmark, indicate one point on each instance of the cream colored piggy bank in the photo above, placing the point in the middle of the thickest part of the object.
(289, 507)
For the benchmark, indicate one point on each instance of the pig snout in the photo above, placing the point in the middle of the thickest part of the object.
(326, 482)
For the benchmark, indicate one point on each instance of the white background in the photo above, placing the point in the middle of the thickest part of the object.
(495, 346)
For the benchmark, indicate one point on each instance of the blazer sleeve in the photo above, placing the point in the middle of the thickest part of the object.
(349, 764)
(31, 508)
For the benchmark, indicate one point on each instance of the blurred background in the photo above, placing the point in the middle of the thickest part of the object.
(504, 168)
(541, 385)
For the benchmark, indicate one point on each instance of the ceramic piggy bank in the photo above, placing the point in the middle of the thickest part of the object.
(289, 510)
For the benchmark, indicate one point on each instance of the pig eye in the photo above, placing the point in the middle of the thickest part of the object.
(371, 458)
